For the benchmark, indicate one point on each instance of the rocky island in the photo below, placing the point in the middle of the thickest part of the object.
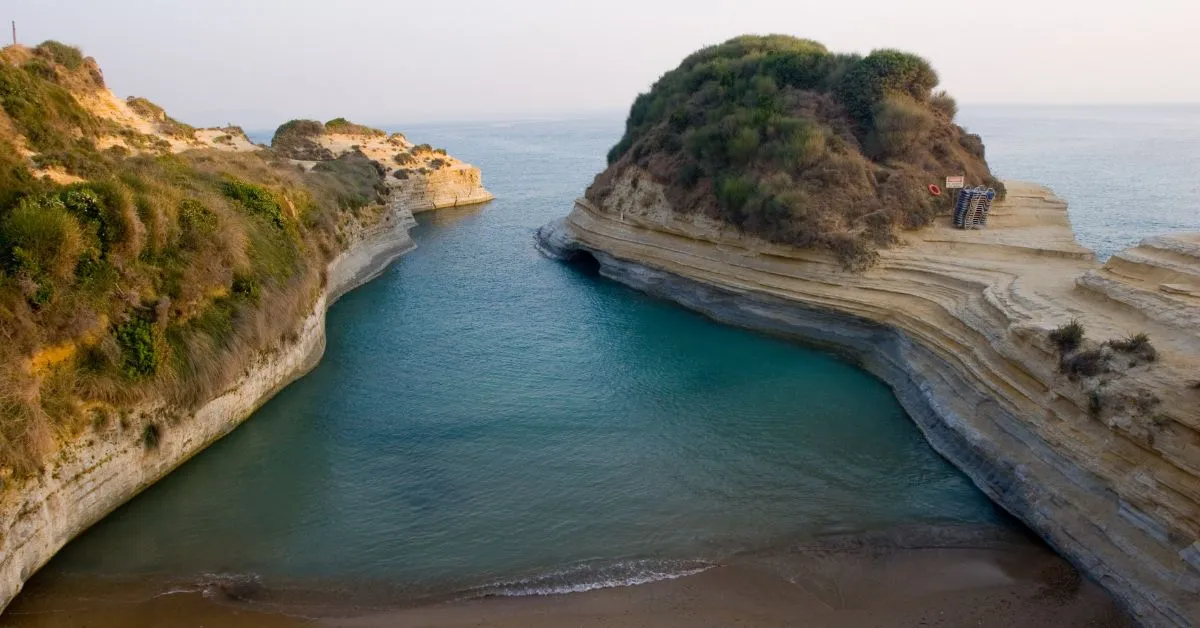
(771, 184)
(159, 282)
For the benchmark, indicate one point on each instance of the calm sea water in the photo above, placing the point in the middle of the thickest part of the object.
(486, 415)
(1127, 172)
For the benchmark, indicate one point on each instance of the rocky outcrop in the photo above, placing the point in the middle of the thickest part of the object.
(448, 187)
(421, 177)
(111, 463)
(1105, 467)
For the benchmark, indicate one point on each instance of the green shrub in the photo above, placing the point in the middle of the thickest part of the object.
(39, 238)
(901, 125)
(254, 199)
(296, 139)
(404, 159)
(734, 192)
(884, 73)
(69, 57)
(107, 208)
(1068, 336)
(346, 127)
(46, 113)
(246, 288)
(300, 128)
(15, 178)
(352, 179)
(139, 355)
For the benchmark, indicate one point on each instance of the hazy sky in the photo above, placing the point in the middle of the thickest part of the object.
(259, 62)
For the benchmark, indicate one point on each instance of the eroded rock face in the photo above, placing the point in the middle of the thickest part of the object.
(420, 177)
(1106, 468)
(107, 466)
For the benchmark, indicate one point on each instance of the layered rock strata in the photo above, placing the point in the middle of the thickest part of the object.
(1105, 467)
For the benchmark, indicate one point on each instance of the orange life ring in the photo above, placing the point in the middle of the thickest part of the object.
(934, 189)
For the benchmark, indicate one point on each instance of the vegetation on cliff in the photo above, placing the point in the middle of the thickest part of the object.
(790, 142)
(141, 277)
(297, 139)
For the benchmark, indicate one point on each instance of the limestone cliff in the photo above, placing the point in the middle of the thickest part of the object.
(1103, 464)
(159, 282)
(421, 177)
(109, 465)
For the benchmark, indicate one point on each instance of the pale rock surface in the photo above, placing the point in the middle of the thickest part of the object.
(1106, 469)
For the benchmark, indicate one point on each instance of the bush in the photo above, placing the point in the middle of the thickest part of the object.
(46, 113)
(139, 356)
(69, 57)
(196, 223)
(885, 73)
(404, 159)
(1137, 345)
(346, 127)
(254, 199)
(39, 238)
(1088, 363)
(296, 139)
(352, 179)
(1068, 337)
(901, 125)
(944, 103)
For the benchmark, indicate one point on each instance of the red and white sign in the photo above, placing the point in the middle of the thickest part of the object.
(955, 183)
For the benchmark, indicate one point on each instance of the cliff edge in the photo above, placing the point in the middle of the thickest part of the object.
(421, 177)
(1103, 463)
(159, 282)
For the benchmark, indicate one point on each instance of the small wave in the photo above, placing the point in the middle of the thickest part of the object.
(590, 576)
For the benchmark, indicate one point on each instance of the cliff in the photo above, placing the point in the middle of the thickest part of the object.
(422, 177)
(107, 466)
(159, 282)
(1103, 462)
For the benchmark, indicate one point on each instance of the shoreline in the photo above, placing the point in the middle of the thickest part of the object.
(99, 475)
(973, 423)
(947, 575)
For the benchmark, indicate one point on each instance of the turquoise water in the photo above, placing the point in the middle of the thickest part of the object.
(485, 415)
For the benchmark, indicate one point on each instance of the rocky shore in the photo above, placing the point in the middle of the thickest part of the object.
(1105, 467)
(109, 466)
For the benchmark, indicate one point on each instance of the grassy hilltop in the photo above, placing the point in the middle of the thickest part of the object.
(795, 144)
(139, 264)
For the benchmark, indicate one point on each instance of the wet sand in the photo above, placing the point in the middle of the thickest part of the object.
(916, 577)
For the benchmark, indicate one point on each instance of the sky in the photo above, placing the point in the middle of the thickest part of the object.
(385, 62)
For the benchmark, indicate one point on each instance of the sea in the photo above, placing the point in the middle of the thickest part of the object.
(487, 421)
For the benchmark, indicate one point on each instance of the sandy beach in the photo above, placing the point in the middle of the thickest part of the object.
(929, 576)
